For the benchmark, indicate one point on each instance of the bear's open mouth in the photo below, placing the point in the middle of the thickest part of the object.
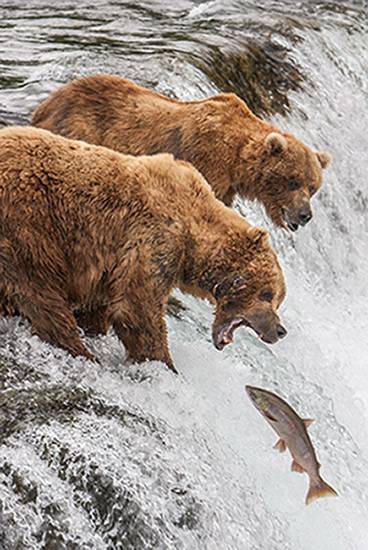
(225, 334)
(292, 225)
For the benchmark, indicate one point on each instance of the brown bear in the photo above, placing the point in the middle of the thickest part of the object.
(84, 227)
(236, 152)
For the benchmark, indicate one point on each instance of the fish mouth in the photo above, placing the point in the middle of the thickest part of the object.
(252, 391)
(260, 399)
(290, 224)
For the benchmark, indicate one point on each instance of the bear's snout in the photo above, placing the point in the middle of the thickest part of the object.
(305, 215)
(274, 334)
(267, 326)
(281, 331)
(294, 217)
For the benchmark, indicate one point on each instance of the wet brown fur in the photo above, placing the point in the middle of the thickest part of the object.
(84, 227)
(220, 136)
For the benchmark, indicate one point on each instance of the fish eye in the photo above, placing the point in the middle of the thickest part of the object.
(266, 295)
(294, 184)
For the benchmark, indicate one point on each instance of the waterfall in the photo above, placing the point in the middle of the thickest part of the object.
(98, 456)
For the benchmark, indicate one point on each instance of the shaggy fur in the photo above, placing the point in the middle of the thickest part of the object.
(235, 151)
(84, 227)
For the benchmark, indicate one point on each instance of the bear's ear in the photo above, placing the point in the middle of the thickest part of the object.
(258, 235)
(276, 143)
(324, 158)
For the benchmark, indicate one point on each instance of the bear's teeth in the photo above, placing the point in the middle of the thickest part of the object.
(227, 338)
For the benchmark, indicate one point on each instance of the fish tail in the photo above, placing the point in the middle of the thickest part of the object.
(319, 488)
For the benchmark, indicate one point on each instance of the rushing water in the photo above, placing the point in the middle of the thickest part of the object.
(106, 456)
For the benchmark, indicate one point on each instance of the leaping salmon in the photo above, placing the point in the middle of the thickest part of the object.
(293, 434)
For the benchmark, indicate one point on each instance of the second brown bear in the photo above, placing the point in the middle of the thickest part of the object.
(236, 152)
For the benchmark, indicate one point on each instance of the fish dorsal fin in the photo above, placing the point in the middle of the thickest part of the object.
(308, 421)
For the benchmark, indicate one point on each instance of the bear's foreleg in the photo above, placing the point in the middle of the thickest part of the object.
(33, 274)
(7, 307)
(142, 329)
(93, 322)
(143, 343)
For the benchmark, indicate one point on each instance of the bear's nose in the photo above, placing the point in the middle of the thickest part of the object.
(281, 331)
(305, 215)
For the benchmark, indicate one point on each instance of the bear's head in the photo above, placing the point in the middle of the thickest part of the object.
(286, 174)
(250, 291)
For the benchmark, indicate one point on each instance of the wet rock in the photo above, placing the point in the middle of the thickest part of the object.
(13, 374)
(19, 408)
(261, 74)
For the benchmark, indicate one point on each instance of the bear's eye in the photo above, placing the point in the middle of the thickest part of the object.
(238, 282)
(266, 295)
(294, 184)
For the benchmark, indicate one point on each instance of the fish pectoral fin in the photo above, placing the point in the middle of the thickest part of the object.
(295, 467)
(308, 421)
(280, 445)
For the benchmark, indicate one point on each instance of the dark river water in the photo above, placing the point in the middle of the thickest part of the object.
(105, 456)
